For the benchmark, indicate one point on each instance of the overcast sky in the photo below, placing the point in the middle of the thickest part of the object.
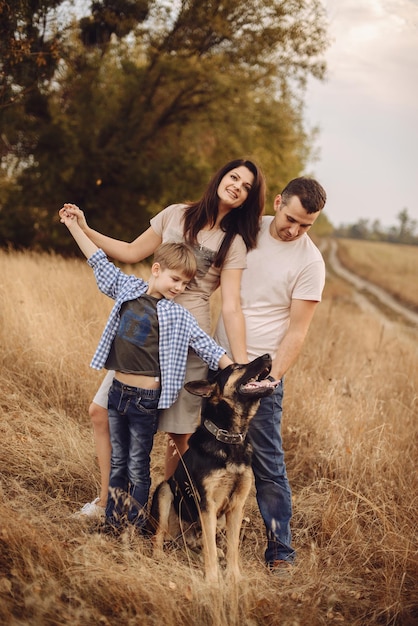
(367, 111)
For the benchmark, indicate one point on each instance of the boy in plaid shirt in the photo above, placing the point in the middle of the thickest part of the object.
(145, 340)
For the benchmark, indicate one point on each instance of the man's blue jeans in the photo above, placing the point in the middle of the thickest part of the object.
(133, 424)
(274, 495)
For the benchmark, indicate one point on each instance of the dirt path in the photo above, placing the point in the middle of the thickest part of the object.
(364, 287)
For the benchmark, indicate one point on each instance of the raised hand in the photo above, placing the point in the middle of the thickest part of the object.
(72, 210)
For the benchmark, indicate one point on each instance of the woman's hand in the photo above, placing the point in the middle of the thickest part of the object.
(72, 210)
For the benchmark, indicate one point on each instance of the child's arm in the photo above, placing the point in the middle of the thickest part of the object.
(224, 361)
(110, 279)
(86, 246)
(205, 346)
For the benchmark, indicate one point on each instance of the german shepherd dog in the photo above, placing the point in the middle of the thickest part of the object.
(214, 476)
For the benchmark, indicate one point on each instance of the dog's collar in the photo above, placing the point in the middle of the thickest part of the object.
(223, 435)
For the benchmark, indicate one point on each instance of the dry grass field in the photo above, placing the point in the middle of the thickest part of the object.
(392, 267)
(350, 434)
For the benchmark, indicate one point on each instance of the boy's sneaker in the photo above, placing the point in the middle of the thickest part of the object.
(109, 530)
(91, 509)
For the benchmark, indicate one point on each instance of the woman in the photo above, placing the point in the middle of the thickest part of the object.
(221, 228)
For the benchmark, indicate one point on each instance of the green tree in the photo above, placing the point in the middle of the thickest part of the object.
(29, 48)
(360, 230)
(322, 226)
(407, 227)
(132, 125)
(377, 232)
(35, 43)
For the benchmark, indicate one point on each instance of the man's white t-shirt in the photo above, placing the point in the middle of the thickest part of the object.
(277, 272)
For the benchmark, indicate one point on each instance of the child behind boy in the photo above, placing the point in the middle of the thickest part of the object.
(146, 341)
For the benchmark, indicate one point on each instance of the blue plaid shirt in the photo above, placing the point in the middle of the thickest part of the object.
(178, 328)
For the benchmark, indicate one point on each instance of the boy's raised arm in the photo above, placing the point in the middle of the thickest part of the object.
(86, 246)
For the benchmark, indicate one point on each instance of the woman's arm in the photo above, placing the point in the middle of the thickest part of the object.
(133, 252)
(232, 313)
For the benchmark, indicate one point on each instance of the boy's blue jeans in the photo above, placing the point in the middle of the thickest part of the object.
(274, 495)
(133, 424)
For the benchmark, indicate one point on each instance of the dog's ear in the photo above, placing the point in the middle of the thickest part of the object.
(201, 388)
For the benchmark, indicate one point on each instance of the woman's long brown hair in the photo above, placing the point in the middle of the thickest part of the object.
(243, 220)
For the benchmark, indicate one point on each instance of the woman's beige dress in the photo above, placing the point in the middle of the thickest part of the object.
(184, 415)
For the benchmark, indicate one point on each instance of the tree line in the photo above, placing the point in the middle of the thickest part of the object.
(405, 231)
(134, 104)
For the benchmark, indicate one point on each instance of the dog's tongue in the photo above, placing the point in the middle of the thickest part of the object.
(256, 384)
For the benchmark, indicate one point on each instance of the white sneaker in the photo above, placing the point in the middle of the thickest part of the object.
(91, 509)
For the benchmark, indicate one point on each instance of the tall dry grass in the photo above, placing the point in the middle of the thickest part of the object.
(350, 433)
(392, 267)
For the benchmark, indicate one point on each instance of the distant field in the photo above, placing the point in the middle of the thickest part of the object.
(393, 267)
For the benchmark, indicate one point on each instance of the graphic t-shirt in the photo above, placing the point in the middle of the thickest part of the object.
(135, 347)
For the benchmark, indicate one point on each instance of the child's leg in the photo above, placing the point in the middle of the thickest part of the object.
(100, 420)
(143, 419)
(120, 442)
(176, 447)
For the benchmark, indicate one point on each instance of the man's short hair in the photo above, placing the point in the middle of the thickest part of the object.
(311, 194)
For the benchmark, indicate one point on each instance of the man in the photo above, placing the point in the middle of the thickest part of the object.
(280, 290)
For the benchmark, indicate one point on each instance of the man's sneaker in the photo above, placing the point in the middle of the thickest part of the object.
(280, 567)
(91, 509)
